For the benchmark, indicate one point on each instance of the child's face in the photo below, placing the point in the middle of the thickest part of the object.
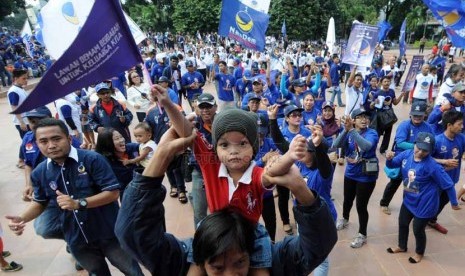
(234, 151)
(142, 136)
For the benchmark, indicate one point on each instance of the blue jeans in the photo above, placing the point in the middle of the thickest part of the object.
(49, 225)
(198, 197)
(322, 269)
(337, 90)
(92, 257)
(261, 256)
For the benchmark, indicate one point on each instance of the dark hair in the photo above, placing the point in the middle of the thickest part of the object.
(451, 117)
(383, 78)
(358, 75)
(19, 72)
(221, 231)
(180, 56)
(223, 62)
(144, 126)
(105, 145)
(453, 70)
(50, 122)
(131, 83)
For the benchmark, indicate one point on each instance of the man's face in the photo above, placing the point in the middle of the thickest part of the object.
(190, 69)
(21, 80)
(207, 111)
(456, 127)
(174, 63)
(459, 96)
(53, 143)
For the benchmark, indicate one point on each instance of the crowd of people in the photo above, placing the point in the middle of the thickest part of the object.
(264, 127)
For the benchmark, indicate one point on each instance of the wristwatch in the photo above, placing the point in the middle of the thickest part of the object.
(82, 203)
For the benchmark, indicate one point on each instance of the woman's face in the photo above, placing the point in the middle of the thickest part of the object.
(135, 78)
(119, 142)
(328, 113)
(361, 121)
(309, 102)
(374, 82)
(294, 118)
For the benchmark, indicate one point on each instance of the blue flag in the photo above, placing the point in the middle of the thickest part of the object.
(361, 45)
(384, 28)
(283, 29)
(243, 24)
(103, 48)
(451, 14)
(402, 45)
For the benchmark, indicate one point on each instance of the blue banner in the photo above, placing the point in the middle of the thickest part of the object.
(384, 28)
(361, 45)
(402, 45)
(243, 24)
(451, 14)
(101, 50)
(415, 68)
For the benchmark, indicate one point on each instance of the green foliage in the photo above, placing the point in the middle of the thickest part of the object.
(192, 15)
(9, 6)
(429, 44)
(149, 16)
(15, 22)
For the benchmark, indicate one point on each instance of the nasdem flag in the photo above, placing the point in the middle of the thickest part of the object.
(244, 24)
(26, 35)
(361, 46)
(451, 14)
(103, 48)
(402, 44)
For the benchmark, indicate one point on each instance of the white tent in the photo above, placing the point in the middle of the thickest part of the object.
(331, 35)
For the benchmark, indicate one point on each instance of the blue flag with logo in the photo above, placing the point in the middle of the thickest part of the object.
(451, 14)
(242, 23)
(283, 28)
(361, 45)
(402, 45)
(103, 48)
(384, 28)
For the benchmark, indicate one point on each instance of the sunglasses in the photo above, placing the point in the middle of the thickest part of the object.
(295, 115)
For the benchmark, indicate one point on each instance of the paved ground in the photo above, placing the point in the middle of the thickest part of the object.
(444, 253)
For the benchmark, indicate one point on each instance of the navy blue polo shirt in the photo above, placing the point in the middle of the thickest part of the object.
(84, 174)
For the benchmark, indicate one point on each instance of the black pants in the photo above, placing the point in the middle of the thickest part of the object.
(386, 132)
(390, 191)
(419, 225)
(269, 216)
(141, 116)
(362, 191)
(175, 174)
(443, 200)
(422, 49)
(283, 203)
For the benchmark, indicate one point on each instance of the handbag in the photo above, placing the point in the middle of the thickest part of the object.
(392, 173)
(370, 166)
(386, 118)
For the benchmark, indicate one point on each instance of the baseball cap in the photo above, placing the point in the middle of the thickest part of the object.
(189, 63)
(206, 98)
(254, 96)
(357, 112)
(101, 86)
(254, 66)
(418, 109)
(291, 108)
(425, 141)
(237, 60)
(298, 82)
(247, 74)
(39, 112)
(257, 80)
(263, 123)
(458, 87)
(163, 79)
(174, 57)
(327, 104)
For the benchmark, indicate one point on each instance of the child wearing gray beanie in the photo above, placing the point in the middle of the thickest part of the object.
(233, 119)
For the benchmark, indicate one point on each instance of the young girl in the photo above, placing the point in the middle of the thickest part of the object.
(5, 266)
(143, 134)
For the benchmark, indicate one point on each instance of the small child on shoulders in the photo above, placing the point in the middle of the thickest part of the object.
(143, 135)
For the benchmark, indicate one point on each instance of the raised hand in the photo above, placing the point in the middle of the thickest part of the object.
(317, 135)
(298, 147)
(273, 111)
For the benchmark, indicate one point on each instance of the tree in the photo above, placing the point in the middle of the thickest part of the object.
(190, 16)
(9, 6)
(150, 16)
(15, 22)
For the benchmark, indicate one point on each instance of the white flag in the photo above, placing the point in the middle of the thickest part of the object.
(26, 34)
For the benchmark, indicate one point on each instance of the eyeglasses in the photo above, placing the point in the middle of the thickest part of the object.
(295, 115)
(136, 76)
(362, 117)
(205, 106)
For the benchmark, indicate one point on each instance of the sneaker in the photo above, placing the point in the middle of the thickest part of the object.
(12, 267)
(438, 227)
(386, 210)
(6, 254)
(341, 224)
(358, 241)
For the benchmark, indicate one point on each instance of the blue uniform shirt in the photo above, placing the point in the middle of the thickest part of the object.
(84, 173)
(188, 79)
(446, 148)
(226, 84)
(354, 171)
(407, 133)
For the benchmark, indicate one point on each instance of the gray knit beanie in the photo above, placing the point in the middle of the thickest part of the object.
(233, 119)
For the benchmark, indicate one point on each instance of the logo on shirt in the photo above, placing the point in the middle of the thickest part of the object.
(53, 185)
(29, 147)
(251, 202)
(81, 169)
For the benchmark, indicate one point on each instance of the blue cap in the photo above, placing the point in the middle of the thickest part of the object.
(298, 82)
(237, 60)
(101, 86)
(425, 141)
(291, 108)
(255, 96)
(262, 123)
(40, 112)
(247, 74)
(255, 66)
(189, 63)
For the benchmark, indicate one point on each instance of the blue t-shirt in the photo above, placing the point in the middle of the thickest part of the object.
(288, 135)
(423, 182)
(354, 171)
(242, 88)
(389, 93)
(446, 148)
(226, 84)
(309, 117)
(407, 133)
(188, 79)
